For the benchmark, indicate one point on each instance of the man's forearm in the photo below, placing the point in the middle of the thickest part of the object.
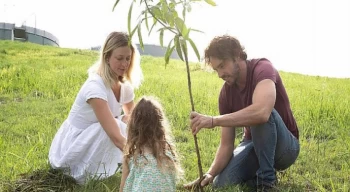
(249, 116)
(223, 156)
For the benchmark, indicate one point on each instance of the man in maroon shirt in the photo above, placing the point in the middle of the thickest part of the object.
(253, 97)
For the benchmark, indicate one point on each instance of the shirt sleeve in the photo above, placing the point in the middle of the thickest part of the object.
(95, 89)
(264, 70)
(128, 94)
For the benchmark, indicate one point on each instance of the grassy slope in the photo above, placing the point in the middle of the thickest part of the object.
(38, 84)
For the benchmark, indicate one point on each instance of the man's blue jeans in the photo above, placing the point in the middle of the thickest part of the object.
(272, 147)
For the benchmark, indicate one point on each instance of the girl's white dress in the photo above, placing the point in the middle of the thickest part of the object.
(81, 146)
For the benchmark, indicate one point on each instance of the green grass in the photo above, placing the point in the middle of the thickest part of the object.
(38, 84)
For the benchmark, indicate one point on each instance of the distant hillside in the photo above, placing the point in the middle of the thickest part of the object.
(152, 50)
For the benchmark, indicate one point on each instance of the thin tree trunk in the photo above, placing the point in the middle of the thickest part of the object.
(184, 48)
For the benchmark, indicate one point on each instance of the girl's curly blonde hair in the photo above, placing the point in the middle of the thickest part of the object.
(148, 128)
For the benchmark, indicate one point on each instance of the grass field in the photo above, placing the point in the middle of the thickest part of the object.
(38, 84)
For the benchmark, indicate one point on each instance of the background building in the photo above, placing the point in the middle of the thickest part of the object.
(24, 33)
(155, 51)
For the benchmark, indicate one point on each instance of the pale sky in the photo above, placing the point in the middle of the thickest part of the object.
(304, 36)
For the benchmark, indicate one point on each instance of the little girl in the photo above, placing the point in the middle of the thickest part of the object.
(150, 160)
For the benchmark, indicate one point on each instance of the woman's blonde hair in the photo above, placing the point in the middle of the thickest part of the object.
(133, 75)
(148, 128)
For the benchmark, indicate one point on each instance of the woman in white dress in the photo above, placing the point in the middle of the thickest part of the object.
(90, 142)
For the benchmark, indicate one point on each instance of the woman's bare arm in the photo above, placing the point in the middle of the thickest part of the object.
(107, 121)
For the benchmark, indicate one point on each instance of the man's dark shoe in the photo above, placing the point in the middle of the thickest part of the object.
(262, 186)
(265, 187)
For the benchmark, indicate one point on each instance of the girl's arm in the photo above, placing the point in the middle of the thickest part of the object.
(125, 173)
(107, 121)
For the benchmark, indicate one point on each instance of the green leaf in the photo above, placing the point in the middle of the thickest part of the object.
(181, 26)
(179, 23)
(154, 23)
(140, 36)
(129, 17)
(172, 5)
(168, 52)
(157, 13)
(142, 12)
(146, 20)
(161, 37)
(196, 30)
(186, 33)
(165, 9)
(115, 4)
(168, 17)
(173, 15)
(194, 48)
(189, 8)
(211, 2)
(133, 31)
(184, 47)
(166, 28)
(178, 47)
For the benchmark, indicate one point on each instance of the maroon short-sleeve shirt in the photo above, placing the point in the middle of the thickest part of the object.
(231, 99)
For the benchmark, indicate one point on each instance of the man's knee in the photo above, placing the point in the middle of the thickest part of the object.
(265, 130)
(269, 122)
